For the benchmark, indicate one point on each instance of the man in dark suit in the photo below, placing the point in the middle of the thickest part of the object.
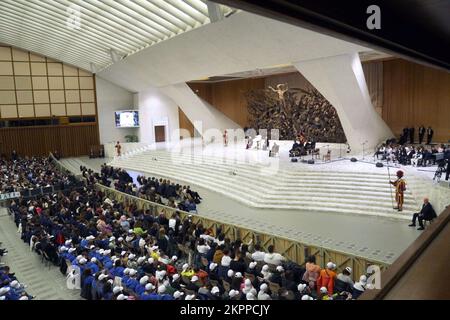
(421, 133)
(430, 133)
(427, 213)
(411, 135)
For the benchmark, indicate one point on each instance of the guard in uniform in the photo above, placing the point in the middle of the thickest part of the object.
(400, 187)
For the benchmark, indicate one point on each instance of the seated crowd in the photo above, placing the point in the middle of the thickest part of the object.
(412, 155)
(26, 174)
(161, 191)
(10, 287)
(124, 253)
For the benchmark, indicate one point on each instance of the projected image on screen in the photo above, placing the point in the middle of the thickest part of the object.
(127, 119)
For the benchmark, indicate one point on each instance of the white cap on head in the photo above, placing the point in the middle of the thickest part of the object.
(252, 265)
(212, 266)
(190, 297)
(161, 288)
(4, 290)
(122, 297)
(248, 282)
(112, 238)
(101, 251)
(175, 277)
(72, 250)
(348, 269)
(249, 296)
(230, 273)
(215, 290)
(117, 289)
(89, 238)
(330, 265)
(143, 280)
(151, 260)
(68, 242)
(149, 287)
(102, 276)
(307, 297)
(177, 294)
(62, 249)
(265, 268)
(301, 287)
(174, 258)
(120, 239)
(24, 298)
(323, 290)
(238, 275)
(280, 269)
(141, 242)
(185, 266)
(106, 252)
(131, 256)
(263, 287)
(133, 272)
(194, 279)
(94, 260)
(79, 257)
(91, 247)
(126, 271)
(83, 260)
(15, 284)
(140, 260)
(233, 293)
(363, 279)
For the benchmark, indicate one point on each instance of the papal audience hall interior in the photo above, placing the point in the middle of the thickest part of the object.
(221, 150)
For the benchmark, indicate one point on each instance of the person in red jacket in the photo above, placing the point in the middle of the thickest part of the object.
(326, 278)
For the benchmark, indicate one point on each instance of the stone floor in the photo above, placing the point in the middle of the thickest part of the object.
(44, 282)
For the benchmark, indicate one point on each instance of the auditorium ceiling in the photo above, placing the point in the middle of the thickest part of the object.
(93, 34)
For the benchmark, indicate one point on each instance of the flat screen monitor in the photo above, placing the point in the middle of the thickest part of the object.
(127, 119)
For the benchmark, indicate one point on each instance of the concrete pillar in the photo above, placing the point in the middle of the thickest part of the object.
(340, 79)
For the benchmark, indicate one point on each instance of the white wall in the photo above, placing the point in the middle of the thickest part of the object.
(111, 97)
(155, 108)
(202, 115)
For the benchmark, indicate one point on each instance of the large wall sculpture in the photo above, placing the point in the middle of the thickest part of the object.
(292, 111)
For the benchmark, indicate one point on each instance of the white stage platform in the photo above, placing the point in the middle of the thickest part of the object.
(340, 204)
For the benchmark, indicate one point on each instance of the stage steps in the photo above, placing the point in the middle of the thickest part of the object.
(340, 192)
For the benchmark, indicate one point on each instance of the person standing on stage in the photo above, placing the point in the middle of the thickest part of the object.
(225, 138)
(430, 133)
(411, 135)
(400, 187)
(118, 149)
(421, 133)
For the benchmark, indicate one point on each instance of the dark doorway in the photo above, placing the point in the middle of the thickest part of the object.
(160, 133)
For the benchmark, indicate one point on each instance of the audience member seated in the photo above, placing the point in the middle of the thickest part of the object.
(126, 253)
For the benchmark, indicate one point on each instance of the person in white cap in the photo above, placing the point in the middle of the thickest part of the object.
(359, 287)
(247, 286)
(252, 268)
(326, 278)
(345, 277)
(262, 294)
(250, 296)
(215, 293)
(233, 294)
(265, 272)
(122, 297)
(178, 295)
(307, 297)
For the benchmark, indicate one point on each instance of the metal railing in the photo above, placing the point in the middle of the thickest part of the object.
(292, 249)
